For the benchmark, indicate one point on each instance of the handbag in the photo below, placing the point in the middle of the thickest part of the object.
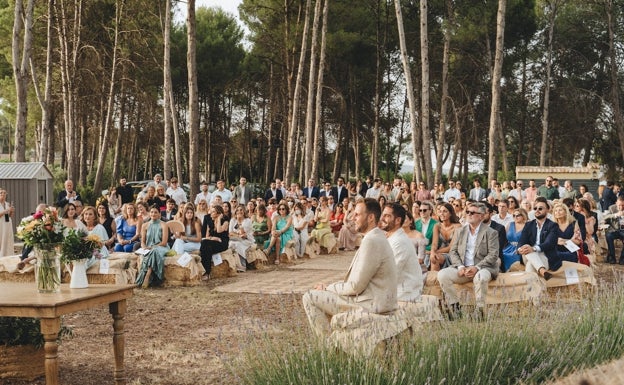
(582, 258)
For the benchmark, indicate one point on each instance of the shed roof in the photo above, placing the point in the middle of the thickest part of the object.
(24, 170)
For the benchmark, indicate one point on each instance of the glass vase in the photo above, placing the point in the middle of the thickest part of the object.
(48, 268)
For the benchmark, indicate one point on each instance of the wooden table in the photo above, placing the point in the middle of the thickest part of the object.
(23, 300)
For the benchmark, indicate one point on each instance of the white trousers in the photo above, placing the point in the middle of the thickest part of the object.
(449, 276)
(535, 261)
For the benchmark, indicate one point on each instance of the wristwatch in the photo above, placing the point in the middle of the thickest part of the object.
(535, 249)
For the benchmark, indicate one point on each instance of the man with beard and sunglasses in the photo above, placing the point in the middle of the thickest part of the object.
(538, 242)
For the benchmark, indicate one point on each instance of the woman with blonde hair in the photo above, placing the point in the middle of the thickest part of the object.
(128, 229)
(514, 230)
(567, 230)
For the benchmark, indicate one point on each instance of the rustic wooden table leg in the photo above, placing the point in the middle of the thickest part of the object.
(50, 328)
(118, 310)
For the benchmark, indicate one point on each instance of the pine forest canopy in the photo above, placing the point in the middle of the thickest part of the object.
(317, 88)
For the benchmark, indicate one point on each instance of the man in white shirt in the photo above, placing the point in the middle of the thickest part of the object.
(477, 193)
(518, 192)
(503, 217)
(222, 192)
(409, 272)
(203, 193)
(157, 181)
(452, 192)
(474, 257)
(176, 192)
(373, 192)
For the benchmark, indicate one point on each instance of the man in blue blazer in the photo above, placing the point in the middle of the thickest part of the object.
(538, 242)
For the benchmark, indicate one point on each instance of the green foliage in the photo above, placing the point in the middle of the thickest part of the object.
(79, 245)
(25, 331)
(515, 345)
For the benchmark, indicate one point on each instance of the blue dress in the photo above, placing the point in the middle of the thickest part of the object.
(510, 252)
(562, 251)
(127, 232)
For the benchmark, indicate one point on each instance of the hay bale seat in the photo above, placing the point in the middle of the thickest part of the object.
(506, 288)
(313, 248)
(227, 267)
(10, 273)
(572, 280)
(177, 275)
(256, 257)
(122, 270)
(362, 333)
(21, 362)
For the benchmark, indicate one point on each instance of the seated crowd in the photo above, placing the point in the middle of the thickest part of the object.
(231, 218)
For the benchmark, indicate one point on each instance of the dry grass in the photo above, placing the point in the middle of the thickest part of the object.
(190, 335)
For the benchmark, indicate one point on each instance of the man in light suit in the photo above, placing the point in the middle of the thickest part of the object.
(477, 193)
(242, 192)
(474, 257)
(370, 283)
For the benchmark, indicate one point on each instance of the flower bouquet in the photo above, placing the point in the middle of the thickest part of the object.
(44, 232)
(79, 246)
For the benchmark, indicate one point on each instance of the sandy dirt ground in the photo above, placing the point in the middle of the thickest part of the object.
(191, 335)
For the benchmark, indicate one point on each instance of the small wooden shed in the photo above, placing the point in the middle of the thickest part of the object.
(588, 175)
(27, 184)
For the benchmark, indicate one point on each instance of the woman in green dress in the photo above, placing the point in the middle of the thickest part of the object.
(154, 236)
(282, 232)
(261, 225)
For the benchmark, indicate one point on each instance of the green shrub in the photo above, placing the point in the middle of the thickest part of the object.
(25, 331)
(517, 344)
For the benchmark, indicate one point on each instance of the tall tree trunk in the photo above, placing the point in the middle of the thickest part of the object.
(45, 135)
(553, 5)
(309, 126)
(23, 19)
(193, 113)
(424, 60)
(496, 78)
(291, 134)
(167, 100)
(377, 103)
(69, 46)
(319, 97)
(416, 134)
(615, 85)
(110, 102)
(120, 129)
(445, 93)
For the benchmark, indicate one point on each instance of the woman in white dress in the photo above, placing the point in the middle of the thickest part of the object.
(6, 225)
(241, 236)
(300, 221)
(190, 239)
(89, 216)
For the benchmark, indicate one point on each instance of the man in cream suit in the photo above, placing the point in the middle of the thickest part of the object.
(474, 257)
(370, 283)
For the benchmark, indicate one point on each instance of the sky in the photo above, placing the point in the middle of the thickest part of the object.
(230, 6)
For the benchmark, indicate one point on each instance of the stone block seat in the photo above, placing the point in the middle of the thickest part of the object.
(509, 287)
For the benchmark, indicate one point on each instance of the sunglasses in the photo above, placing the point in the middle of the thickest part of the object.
(518, 216)
(540, 208)
(472, 212)
(282, 209)
(424, 210)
